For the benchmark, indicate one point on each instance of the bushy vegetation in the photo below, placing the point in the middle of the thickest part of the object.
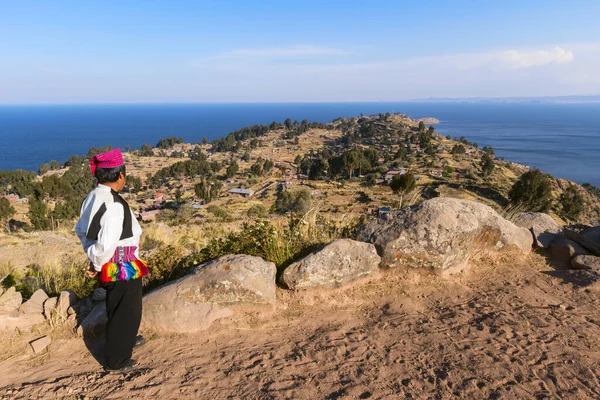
(533, 191)
(297, 202)
(402, 185)
(53, 279)
(572, 202)
(167, 143)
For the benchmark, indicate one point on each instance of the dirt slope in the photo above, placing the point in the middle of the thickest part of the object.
(506, 329)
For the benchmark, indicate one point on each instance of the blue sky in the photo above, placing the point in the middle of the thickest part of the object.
(251, 51)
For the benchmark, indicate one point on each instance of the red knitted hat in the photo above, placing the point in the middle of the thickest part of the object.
(110, 159)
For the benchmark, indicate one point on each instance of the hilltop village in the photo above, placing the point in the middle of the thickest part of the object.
(348, 171)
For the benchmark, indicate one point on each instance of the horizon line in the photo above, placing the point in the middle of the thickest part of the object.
(414, 100)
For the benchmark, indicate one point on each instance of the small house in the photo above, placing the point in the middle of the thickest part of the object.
(149, 215)
(384, 211)
(241, 192)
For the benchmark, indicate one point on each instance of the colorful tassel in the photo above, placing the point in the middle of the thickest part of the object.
(124, 271)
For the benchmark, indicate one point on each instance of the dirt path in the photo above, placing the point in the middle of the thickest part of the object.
(506, 330)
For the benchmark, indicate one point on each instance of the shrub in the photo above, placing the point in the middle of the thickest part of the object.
(217, 211)
(533, 191)
(403, 184)
(572, 202)
(458, 149)
(257, 210)
(487, 164)
(298, 202)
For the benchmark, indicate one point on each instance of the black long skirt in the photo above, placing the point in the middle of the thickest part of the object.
(124, 310)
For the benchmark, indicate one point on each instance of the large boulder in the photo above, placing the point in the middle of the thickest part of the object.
(592, 234)
(10, 300)
(443, 233)
(17, 320)
(586, 262)
(212, 291)
(337, 264)
(563, 249)
(35, 304)
(541, 225)
(66, 299)
(50, 307)
(95, 322)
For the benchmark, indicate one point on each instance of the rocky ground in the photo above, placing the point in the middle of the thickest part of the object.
(508, 327)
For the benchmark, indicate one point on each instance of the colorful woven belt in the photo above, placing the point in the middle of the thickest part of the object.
(123, 266)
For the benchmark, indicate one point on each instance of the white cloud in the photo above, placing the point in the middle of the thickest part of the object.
(517, 59)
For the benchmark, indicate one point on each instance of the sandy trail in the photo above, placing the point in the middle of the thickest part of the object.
(505, 330)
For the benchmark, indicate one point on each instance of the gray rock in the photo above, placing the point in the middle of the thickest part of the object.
(50, 307)
(10, 300)
(83, 307)
(66, 299)
(563, 249)
(586, 262)
(99, 294)
(211, 292)
(541, 225)
(16, 320)
(53, 240)
(442, 233)
(592, 234)
(40, 344)
(35, 305)
(95, 322)
(337, 264)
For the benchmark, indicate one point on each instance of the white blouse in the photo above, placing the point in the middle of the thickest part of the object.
(111, 226)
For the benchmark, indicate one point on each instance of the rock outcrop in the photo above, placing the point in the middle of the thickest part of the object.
(563, 250)
(95, 322)
(10, 300)
(541, 225)
(586, 262)
(35, 304)
(212, 291)
(442, 233)
(337, 264)
(14, 315)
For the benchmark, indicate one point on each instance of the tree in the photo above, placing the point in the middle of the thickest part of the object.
(207, 190)
(533, 191)
(134, 183)
(146, 150)
(43, 169)
(7, 211)
(268, 166)
(246, 156)
(204, 140)
(458, 149)
(421, 126)
(297, 202)
(38, 215)
(288, 123)
(318, 169)
(298, 160)
(178, 195)
(572, 202)
(232, 169)
(402, 185)
(487, 164)
(257, 167)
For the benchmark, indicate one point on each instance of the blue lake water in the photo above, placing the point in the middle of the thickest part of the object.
(561, 139)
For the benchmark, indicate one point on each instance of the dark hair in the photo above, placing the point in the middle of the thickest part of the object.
(107, 175)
